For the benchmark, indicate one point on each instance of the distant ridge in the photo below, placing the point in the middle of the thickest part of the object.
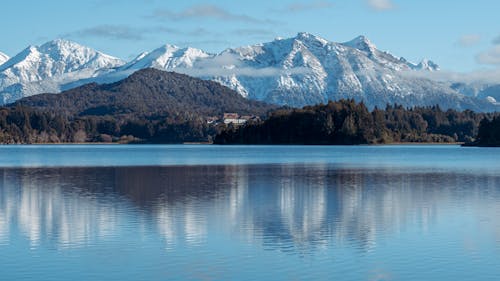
(297, 71)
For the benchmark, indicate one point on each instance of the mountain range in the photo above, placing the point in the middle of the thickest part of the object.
(297, 71)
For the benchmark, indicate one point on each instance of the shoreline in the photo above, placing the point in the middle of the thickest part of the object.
(207, 143)
(423, 143)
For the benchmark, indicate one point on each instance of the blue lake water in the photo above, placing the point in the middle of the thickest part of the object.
(249, 213)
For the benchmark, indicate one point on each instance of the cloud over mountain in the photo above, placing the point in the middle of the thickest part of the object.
(205, 11)
(381, 5)
(306, 6)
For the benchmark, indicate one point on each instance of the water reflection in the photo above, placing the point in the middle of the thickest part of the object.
(290, 208)
(54, 206)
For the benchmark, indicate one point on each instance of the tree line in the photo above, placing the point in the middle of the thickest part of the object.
(343, 123)
(348, 122)
(25, 125)
(489, 133)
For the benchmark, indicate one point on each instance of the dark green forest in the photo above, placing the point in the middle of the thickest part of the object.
(27, 125)
(489, 133)
(341, 123)
(347, 122)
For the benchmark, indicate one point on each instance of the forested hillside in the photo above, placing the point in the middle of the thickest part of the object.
(149, 106)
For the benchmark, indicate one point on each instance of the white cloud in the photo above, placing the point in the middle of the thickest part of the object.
(254, 32)
(488, 76)
(469, 40)
(306, 6)
(131, 33)
(242, 71)
(491, 56)
(381, 5)
(228, 64)
(207, 12)
(119, 32)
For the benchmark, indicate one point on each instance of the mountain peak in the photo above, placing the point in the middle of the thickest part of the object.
(308, 37)
(167, 57)
(59, 42)
(48, 67)
(63, 49)
(428, 65)
(168, 48)
(193, 52)
(304, 35)
(361, 43)
(175, 51)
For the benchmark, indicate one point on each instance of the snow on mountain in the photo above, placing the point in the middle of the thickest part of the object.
(166, 57)
(307, 69)
(426, 64)
(3, 58)
(48, 67)
(364, 45)
(354, 69)
(297, 71)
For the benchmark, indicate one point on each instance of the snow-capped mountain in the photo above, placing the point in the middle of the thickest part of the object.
(47, 68)
(307, 69)
(297, 71)
(364, 45)
(166, 57)
(3, 58)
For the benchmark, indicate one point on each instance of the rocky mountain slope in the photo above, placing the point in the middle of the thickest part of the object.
(307, 69)
(297, 71)
(47, 68)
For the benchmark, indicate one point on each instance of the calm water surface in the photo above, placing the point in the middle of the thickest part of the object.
(249, 213)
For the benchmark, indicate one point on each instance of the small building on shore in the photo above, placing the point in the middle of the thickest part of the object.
(231, 118)
(236, 119)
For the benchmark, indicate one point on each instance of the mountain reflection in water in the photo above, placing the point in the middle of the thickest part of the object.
(295, 209)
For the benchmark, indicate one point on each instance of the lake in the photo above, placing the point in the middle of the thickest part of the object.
(181, 212)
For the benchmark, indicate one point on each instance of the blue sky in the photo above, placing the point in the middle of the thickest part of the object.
(460, 36)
